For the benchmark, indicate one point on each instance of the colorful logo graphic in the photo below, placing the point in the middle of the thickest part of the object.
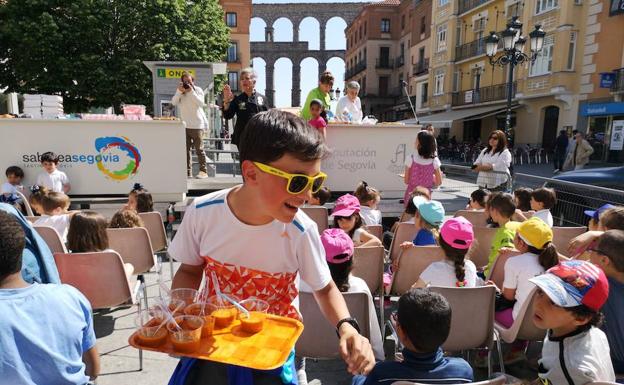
(111, 148)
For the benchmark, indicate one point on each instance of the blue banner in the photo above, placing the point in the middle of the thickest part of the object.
(613, 108)
(607, 79)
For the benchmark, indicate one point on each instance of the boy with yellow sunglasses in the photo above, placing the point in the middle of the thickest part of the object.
(257, 241)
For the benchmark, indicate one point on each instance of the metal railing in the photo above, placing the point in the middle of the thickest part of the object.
(618, 84)
(359, 67)
(384, 63)
(421, 68)
(467, 5)
(483, 94)
(399, 61)
(474, 48)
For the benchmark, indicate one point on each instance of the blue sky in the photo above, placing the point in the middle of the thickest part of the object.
(309, 31)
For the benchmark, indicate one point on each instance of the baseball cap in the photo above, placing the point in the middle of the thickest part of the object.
(346, 205)
(337, 242)
(535, 232)
(595, 214)
(458, 233)
(431, 211)
(573, 283)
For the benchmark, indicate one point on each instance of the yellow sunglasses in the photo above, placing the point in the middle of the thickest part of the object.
(297, 183)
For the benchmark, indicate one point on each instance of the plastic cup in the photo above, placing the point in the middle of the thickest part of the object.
(186, 339)
(150, 332)
(186, 295)
(257, 313)
(224, 312)
(209, 320)
(176, 307)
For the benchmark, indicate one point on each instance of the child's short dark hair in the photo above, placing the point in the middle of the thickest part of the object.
(49, 157)
(547, 196)
(271, 134)
(523, 194)
(425, 316)
(340, 273)
(126, 218)
(15, 171)
(54, 200)
(503, 203)
(427, 145)
(12, 242)
(316, 102)
(596, 318)
(480, 196)
(419, 191)
(323, 195)
(145, 203)
(87, 232)
(613, 218)
(611, 244)
(365, 193)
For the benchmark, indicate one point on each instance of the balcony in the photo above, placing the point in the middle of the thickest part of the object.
(467, 5)
(395, 92)
(384, 63)
(474, 48)
(399, 61)
(359, 67)
(618, 84)
(482, 95)
(421, 68)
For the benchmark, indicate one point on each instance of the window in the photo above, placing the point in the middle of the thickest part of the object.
(230, 19)
(402, 22)
(233, 80)
(456, 81)
(542, 6)
(424, 92)
(423, 24)
(438, 85)
(385, 25)
(458, 34)
(421, 56)
(479, 24)
(232, 52)
(543, 63)
(443, 3)
(441, 38)
(571, 51)
(515, 10)
(365, 24)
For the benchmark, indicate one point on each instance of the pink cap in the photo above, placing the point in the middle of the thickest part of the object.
(458, 233)
(337, 242)
(346, 205)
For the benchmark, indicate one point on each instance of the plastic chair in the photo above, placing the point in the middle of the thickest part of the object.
(51, 238)
(476, 217)
(318, 214)
(404, 232)
(376, 230)
(368, 264)
(412, 262)
(158, 236)
(481, 251)
(494, 381)
(563, 235)
(26, 204)
(497, 272)
(479, 332)
(523, 327)
(318, 339)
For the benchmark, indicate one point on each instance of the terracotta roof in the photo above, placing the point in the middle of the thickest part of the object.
(385, 3)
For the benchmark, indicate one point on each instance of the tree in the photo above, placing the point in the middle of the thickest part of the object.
(91, 51)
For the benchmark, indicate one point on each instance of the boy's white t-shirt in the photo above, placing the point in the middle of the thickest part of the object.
(53, 181)
(370, 216)
(211, 235)
(420, 160)
(442, 273)
(518, 271)
(59, 222)
(546, 216)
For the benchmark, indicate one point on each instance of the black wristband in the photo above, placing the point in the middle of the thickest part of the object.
(350, 320)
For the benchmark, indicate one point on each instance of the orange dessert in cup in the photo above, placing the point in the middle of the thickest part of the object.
(224, 312)
(257, 308)
(187, 337)
(151, 334)
(209, 321)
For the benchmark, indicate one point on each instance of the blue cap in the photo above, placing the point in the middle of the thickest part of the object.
(595, 214)
(431, 211)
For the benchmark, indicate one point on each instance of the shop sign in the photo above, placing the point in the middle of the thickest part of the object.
(595, 109)
(468, 97)
(617, 135)
(607, 79)
(617, 7)
(173, 73)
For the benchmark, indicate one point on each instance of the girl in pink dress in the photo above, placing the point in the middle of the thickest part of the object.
(317, 112)
(422, 168)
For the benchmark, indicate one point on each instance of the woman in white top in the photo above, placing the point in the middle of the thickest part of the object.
(349, 107)
(493, 163)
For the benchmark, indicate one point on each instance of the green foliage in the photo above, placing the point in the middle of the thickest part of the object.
(91, 51)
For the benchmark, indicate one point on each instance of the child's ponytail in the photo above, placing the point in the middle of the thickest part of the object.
(457, 256)
(548, 256)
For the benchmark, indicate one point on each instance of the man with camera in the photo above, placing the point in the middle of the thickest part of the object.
(189, 99)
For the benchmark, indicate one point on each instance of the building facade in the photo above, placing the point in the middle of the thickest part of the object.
(238, 19)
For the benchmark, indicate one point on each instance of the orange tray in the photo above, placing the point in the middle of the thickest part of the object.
(265, 350)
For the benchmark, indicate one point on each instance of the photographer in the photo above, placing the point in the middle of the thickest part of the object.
(189, 100)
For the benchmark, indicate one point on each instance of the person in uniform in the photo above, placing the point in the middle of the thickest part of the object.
(245, 105)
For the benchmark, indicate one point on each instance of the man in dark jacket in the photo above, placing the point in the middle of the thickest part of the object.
(561, 148)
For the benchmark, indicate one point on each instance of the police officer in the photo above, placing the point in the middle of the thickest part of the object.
(245, 105)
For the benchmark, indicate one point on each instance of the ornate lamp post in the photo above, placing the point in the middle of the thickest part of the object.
(513, 54)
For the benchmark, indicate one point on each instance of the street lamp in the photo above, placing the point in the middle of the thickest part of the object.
(513, 54)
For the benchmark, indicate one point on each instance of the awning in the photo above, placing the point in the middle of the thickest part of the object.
(446, 118)
(498, 111)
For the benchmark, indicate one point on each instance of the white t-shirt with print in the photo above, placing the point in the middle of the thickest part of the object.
(442, 273)
(53, 181)
(210, 229)
(518, 271)
(546, 216)
(59, 222)
(420, 160)
(370, 216)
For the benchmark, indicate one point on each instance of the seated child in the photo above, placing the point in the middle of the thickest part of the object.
(593, 225)
(369, 198)
(567, 304)
(456, 237)
(347, 217)
(610, 219)
(140, 200)
(318, 121)
(46, 331)
(500, 207)
(423, 323)
(407, 216)
(54, 206)
(427, 219)
(608, 254)
(522, 198)
(478, 199)
(542, 200)
(52, 178)
(36, 198)
(12, 186)
(124, 219)
(320, 197)
(87, 232)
